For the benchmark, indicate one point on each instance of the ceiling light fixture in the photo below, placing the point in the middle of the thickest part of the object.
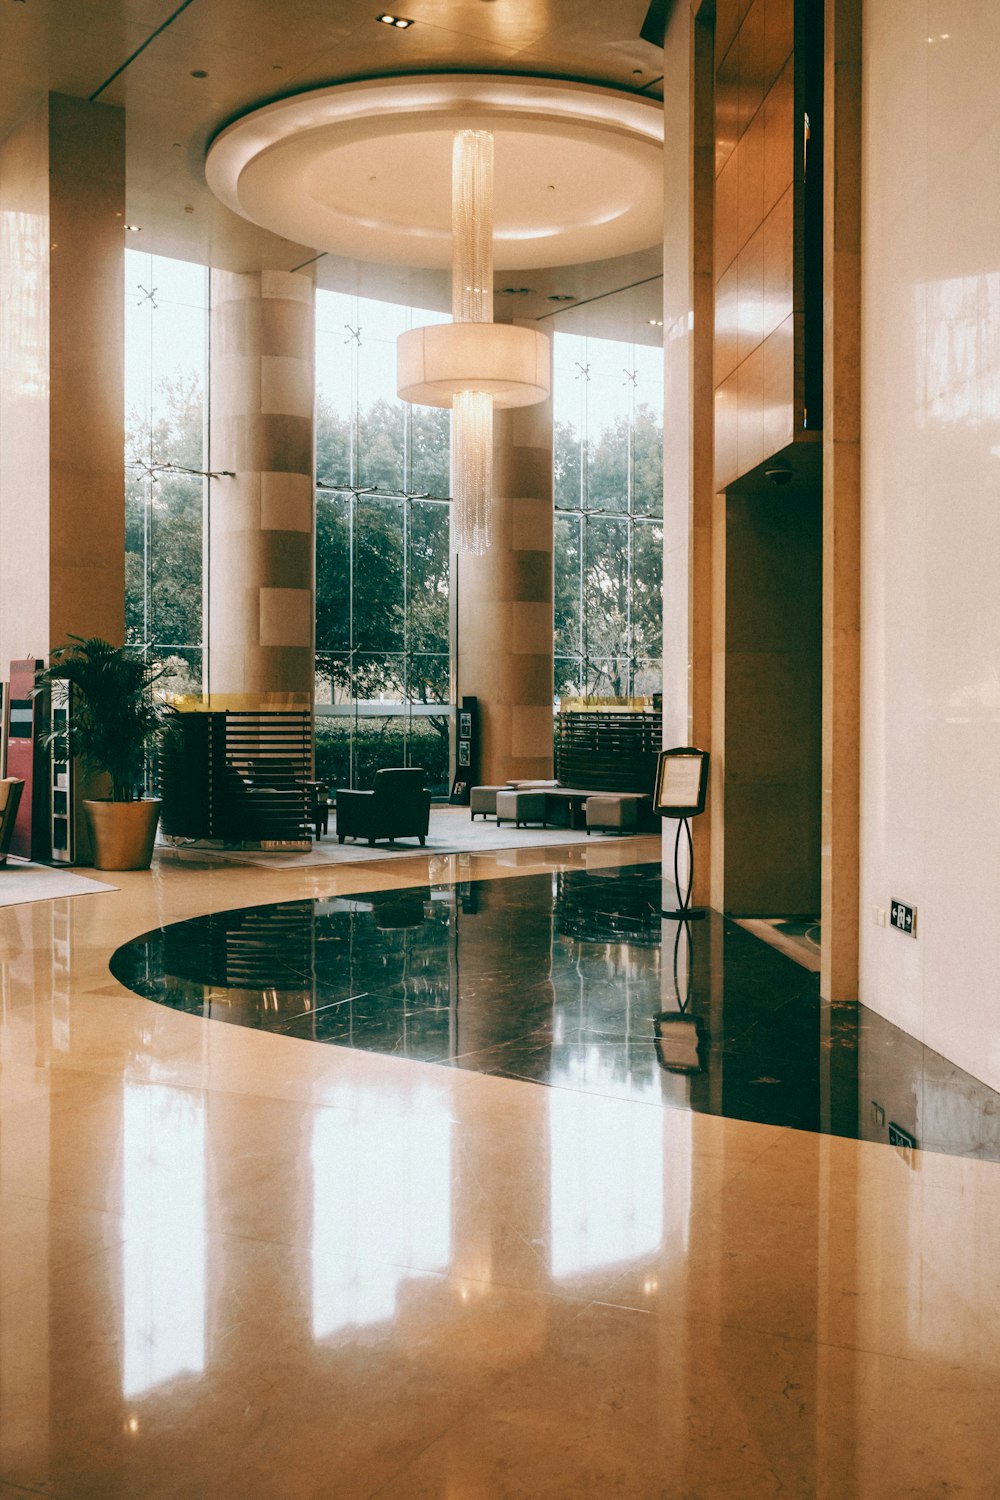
(472, 364)
(134, 228)
(400, 22)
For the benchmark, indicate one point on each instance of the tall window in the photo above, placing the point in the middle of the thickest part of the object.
(166, 336)
(609, 517)
(383, 669)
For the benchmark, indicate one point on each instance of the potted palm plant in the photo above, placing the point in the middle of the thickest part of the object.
(115, 722)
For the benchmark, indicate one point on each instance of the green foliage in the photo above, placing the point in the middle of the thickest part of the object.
(608, 567)
(377, 743)
(383, 580)
(382, 562)
(163, 540)
(116, 720)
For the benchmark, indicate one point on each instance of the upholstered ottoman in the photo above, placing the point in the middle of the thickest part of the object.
(520, 807)
(613, 810)
(483, 801)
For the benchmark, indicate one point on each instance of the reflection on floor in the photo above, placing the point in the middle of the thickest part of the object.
(798, 937)
(569, 979)
(236, 1265)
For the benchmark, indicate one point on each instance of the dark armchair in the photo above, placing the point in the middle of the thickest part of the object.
(397, 807)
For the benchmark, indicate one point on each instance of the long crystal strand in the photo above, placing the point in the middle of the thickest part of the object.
(471, 466)
(472, 227)
(472, 302)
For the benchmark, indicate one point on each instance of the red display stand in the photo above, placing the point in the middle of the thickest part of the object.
(21, 727)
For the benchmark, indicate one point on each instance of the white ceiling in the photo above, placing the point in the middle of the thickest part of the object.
(141, 54)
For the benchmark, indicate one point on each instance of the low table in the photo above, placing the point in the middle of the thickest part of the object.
(575, 802)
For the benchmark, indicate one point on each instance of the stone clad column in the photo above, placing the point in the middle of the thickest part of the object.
(505, 622)
(259, 564)
(62, 313)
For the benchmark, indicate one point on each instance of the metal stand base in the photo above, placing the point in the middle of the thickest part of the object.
(684, 912)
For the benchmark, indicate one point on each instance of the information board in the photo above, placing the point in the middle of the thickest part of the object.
(681, 782)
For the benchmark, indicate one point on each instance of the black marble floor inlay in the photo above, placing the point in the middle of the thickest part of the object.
(570, 980)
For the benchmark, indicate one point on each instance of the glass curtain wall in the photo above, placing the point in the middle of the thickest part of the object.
(383, 655)
(166, 343)
(608, 402)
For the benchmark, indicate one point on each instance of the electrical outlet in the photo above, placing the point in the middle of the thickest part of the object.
(879, 915)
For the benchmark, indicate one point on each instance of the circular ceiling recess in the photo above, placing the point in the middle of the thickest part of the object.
(364, 169)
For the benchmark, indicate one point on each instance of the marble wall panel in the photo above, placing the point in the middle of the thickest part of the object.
(62, 513)
(779, 136)
(287, 502)
(530, 525)
(726, 216)
(750, 180)
(750, 295)
(728, 15)
(777, 250)
(779, 358)
(24, 390)
(930, 502)
(779, 38)
(750, 43)
(727, 323)
(750, 411)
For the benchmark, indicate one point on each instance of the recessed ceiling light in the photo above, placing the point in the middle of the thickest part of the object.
(655, 322)
(134, 228)
(562, 297)
(400, 22)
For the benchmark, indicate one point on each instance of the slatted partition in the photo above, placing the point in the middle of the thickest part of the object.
(238, 777)
(610, 750)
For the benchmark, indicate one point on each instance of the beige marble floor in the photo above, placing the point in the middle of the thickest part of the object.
(234, 1264)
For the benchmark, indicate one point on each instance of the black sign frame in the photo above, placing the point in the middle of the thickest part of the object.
(671, 808)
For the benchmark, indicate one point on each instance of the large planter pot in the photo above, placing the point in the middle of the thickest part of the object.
(122, 833)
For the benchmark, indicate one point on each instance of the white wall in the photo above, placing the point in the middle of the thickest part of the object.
(931, 521)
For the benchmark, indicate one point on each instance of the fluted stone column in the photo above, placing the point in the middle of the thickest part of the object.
(505, 623)
(260, 611)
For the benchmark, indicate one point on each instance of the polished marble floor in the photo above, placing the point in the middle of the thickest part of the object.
(569, 979)
(234, 1263)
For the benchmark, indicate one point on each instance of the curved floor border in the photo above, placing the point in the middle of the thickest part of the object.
(570, 980)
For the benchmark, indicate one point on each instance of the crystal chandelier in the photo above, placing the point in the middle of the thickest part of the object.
(472, 364)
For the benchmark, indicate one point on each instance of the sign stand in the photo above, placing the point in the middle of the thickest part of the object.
(681, 789)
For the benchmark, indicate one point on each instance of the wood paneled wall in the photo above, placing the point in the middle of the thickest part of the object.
(759, 214)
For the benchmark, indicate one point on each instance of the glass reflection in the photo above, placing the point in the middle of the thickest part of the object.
(606, 1183)
(381, 1210)
(608, 473)
(164, 1253)
(952, 314)
(383, 665)
(564, 980)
